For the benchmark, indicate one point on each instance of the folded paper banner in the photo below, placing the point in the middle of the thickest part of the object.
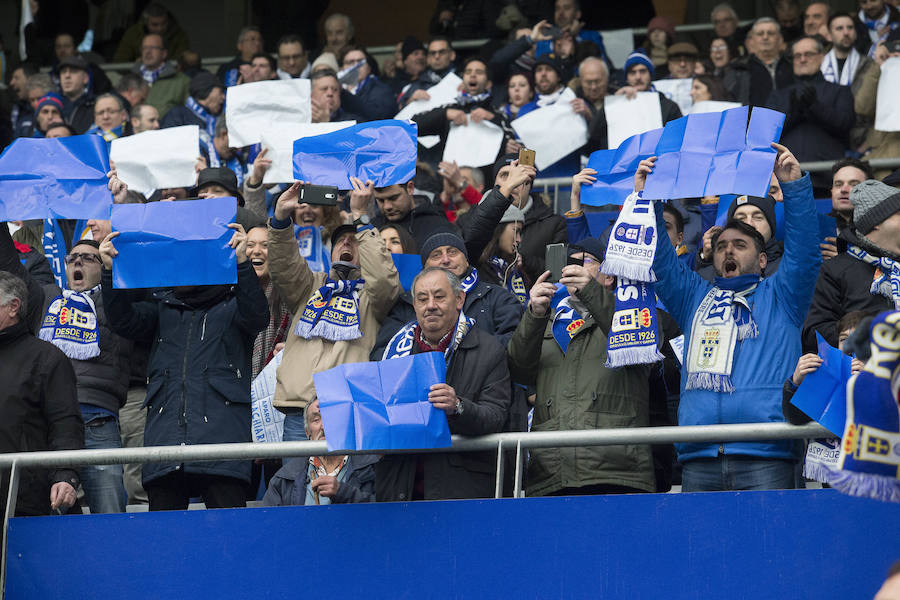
(169, 244)
(153, 160)
(823, 393)
(887, 109)
(626, 116)
(252, 108)
(408, 266)
(279, 143)
(616, 169)
(553, 132)
(55, 178)
(708, 106)
(381, 151)
(383, 405)
(473, 144)
(444, 92)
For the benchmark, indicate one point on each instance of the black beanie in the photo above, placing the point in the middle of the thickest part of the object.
(444, 238)
(203, 83)
(410, 45)
(766, 205)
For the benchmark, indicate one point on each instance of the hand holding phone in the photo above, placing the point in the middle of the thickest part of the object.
(323, 195)
(555, 259)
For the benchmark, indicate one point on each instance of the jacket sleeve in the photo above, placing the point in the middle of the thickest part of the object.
(487, 412)
(378, 269)
(478, 228)
(864, 102)
(290, 273)
(252, 306)
(792, 414)
(129, 317)
(780, 100)
(822, 316)
(433, 122)
(795, 279)
(601, 303)
(834, 112)
(275, 493)
(506, 312)
(255, 198)
(359, 487)
(400, 314)
(578, 228)
(524, 349)
(505, 56)
(62, 413)
(9, 262)
(535, 264)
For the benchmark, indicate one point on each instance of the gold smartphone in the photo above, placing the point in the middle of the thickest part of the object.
(526, 157)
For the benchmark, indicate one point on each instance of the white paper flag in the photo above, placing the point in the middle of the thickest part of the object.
(711, 106)
(444, 92)
(280, 145)
(619, 44)
(252, 108)
(626, 117)
(678, 91)
(153, 160)
(553, 132)
(887, 107)
(267, 422)
(473, 145)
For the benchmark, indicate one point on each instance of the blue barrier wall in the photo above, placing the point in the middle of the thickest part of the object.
(784, 544)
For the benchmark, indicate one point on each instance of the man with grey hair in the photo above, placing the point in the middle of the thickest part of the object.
(38, 402)
(475, 397)
(765, 69)
(249, 42)
(338, 33)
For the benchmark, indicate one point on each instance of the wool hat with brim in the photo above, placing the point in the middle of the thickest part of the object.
(222, 176)
(202, 84)
(76, 62)
(682, 49)
(873, 202)
(341, 230)
(592, 246)
(442, 238)
(766, 205)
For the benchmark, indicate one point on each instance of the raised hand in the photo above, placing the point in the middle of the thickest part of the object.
(644, 169)
(239, 242)
(260, 166)
(586, 175)
(787, 168)
(108, 252)
(288, 201)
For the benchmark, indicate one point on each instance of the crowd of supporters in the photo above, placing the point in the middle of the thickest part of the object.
(174, 366)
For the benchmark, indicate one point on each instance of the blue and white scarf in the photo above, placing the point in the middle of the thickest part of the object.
(309, 241)
(332, 312)
(633, 335)
(632, 243)
(844, 76)
(110, 135)
(151, 76)
(722, 319)
(470, 281)
(404, 341)
(465, 98)
(567, 321)
(511, 278)
(887, 277)
(209, 119)
(55, 250)
(70, 324)
(231, 77)
(870, 451)
(234, 163)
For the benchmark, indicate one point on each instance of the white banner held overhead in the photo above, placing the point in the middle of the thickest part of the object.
(153, 160)
(626, 117)
(252, 108)
(444, 92)
(473, 144)
(553, 132)
(280, 145)
(678, 91)
(887, 106)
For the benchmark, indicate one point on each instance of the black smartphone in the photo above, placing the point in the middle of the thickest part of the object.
(553, 31)
(319, 194)
(555, 259)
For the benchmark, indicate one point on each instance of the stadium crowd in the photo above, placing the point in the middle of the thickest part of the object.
(174, 366)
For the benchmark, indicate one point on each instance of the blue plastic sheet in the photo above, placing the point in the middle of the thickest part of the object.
(823, 393)
(169, 244)
(383, 405)
(408, 266)
(381, 151)
(699, 155)
(55, 178)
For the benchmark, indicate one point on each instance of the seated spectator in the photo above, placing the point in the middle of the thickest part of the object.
(22, 112)
(64, 47)
(682, 58)
(339, 32)
(374, 98)
(752, 78)
(819, 113)
(362, 276)
(208, 366)
(398, 240)
(324, 62)
(133, 89)
(708, 87)
(397, 204)
(322, 480)
(638, 76)
(144, 118)
(843, 64)
(220, 153)
(412, 54)
(262, 68)
(719, 56)
(58, 130)
(462, 188)
(880, 18)
(110, 117)
(168, 87)
(249, 44)
(221, 182)
(202, 108)
(790, 18)
(293, 61)
(439, 61)
(881, 144)
(476, 396)
(815, 19)
(158, 20)
(78, 101)
(602, 398)
(520, 96)
(726, 26)
(49, 110)
(325, 98)
(846, 174)
(739, 381)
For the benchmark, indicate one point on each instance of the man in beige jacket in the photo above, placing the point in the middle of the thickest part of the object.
(336, 315)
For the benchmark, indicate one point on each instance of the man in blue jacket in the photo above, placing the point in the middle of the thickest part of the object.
(742, 336)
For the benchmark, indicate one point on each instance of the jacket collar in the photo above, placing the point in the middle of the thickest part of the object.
(13, 333)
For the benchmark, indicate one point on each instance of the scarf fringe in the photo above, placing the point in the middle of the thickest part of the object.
(628, 270)
(74, 350)
(866, 485)
(816, 471)
(748, 330)
(714, 382)
(329, 331)
(632, 356)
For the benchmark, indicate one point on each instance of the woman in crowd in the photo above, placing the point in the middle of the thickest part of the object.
(279, 316)
(500, 262)
(708, 87)
(719, 55)
(398, 240)
(520, 91)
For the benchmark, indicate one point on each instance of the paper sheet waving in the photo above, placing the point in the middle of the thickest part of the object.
(252, 108)
(678, 91)
(444, 92)
(708, 106)
(887, 107)
(267, 422)
(473, 144)
(553, 132)
(627, 117)
(153, 160)
(280, 145)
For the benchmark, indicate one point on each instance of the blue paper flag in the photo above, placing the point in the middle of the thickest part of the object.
(381, 151)
(616, 169)
(408, 266)
(55, 178)
(823, 393)
(168, 244)
(309, 241)
(383, 405)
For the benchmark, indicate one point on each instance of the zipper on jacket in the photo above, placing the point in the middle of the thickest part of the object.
(203, 327)
(187, 350)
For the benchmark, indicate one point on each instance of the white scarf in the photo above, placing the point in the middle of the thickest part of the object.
(632, 242)
(563, 93)
(845, 76)
(875, 26)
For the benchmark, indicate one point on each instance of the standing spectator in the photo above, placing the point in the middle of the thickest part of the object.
(412, 54)
(708, 87)
(262, 68)
(249, 43)
(78, 101)
(202, 339)
(638, 76)
(168, 87)
(202, 108)
(49, 111)
(155, 19)
(881, 144)
(846, 174)
(339, 32)
(475, 398)
(293, 61)
(880, 19)
(110, 117)
(439, 59)
(325, 98)
(465, 19)
(64, 46)
(790, 18)
(22, 112)
(275, 333)
(660, 35)
(764, 69)
(144, 118)
(844, 64)
(739, 380)
(374, 98)
(727, 27)
(719, 56)
(500, 262)
(520, 96)
(397, 204)
(682, 56)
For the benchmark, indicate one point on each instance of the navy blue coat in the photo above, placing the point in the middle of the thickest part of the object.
(198, 385)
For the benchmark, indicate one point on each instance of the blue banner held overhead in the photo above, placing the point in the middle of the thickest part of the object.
(823, 393)
(62, 178)
(170, 244)
(383, 405)
(616, 169)
(381, 151)
(408, 266)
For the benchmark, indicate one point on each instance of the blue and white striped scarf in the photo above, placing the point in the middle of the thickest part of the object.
(887, 283)
(404, 341)
(332, 312)
(70, 324)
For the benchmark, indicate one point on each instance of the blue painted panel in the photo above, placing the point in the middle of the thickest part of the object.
(779, 544)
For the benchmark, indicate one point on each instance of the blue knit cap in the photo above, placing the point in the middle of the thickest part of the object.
(639, 57)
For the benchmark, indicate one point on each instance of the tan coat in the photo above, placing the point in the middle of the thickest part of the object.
(883, 144)
(296, 283)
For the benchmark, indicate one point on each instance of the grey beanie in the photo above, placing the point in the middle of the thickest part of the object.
(512, 214)
(444, 238)
(873, 202)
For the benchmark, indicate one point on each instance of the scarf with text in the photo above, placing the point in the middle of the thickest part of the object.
(70, 324)
(465, 98)
(633, 335)
(887, 274)
(312, 249)
(722, 319)
(332, 312)
(632, 242)
(409, 336)
(567, 321)
(511, 278)
(470, 281)
(840, 76)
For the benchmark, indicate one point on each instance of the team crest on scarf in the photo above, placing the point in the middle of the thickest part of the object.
(309, 241)
(886, 281)
(632, 243)
(633, 338)
(70, 324)
(332, 312)
(511, 278)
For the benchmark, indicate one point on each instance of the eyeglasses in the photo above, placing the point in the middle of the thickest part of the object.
(798, 55)
(718, 48)
(85, 258)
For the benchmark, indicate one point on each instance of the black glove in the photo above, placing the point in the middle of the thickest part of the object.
(806, 94)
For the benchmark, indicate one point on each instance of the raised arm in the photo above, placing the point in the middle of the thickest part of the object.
(290, 273)
(128, 316)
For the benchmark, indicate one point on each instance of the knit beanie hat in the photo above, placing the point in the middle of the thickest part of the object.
(443, 238)
(202, 84)
(328, 59)
(766, 205)
(410, 45)
(592, 246)
(873, 202)
(639, 57)
(513, 214)
(50, 99)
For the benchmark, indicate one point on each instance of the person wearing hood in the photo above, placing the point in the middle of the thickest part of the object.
(758, 213)
(336, 314)
(819, 114)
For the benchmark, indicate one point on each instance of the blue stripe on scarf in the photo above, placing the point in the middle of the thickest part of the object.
(309, 241)
(70, 324)
(332, 312)
(634, 337)
(55, 250)
(209, 119)
(566, 320)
